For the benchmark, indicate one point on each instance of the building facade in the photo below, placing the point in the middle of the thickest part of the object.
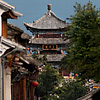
(16, 68)
(6, 48)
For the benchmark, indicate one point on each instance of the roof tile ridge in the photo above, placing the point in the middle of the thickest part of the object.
(38, 19)
(52, 13)
(46, 14)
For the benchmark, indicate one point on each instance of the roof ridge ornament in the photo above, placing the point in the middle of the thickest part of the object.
(49, 22)
(49, 6)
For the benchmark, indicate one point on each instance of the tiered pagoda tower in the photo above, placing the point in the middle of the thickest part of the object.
(48, 32)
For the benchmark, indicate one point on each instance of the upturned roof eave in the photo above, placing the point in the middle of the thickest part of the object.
(28, 26)
(7, 7)
(17, 14)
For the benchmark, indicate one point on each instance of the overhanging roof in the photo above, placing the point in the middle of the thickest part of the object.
(12, 30)
(3, 48)
(7, 7)
(29, 60)
(6, 44)
(49, 41)
(11, 43)
(53, 57)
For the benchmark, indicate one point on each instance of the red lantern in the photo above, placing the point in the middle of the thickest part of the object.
(69, 74)
(30, 52)
(34, 84)
(61, 51)
(27, 48)
(38, 52)
(75, 75)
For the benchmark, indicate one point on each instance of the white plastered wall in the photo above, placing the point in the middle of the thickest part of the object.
(0, 80)
(7, 83)
(1, 12)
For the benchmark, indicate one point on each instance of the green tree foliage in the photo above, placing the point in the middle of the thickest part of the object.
(48, 81)
(71, 91)
(84, 49)
(35, 54)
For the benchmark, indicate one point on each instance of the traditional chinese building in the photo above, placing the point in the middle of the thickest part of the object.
(48, 33)
(25, 71)
(6, 48)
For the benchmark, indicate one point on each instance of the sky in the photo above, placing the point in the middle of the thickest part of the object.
(33, 10)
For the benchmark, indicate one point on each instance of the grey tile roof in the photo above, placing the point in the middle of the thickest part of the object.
(12, 30)
(53, 57)
(7, 7)
(6, 44)
(11, 43)
(3, 48)
(49, 41)
(48, 21)
(29, 60)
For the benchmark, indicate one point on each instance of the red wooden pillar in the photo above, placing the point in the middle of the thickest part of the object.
(14, 91)
(24, 89)
(19, 92)
(75, 75)
(31, 93)
(4, 25)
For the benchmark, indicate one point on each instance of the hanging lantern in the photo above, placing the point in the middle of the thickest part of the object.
(38, 36)
(61, 51)
(69, 74)
(34, 83)
(61, 35)
(27, 48)
(75, 75)
(38, 52)
(30, 52)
